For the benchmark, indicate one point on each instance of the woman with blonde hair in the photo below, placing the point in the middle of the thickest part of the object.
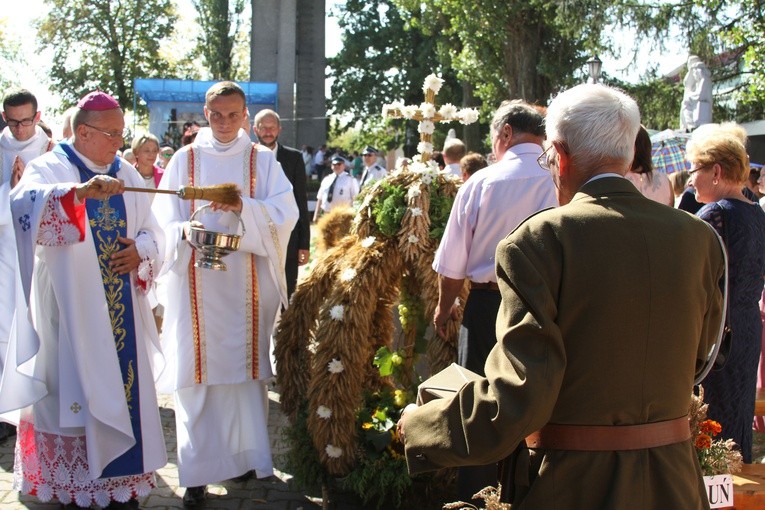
(146, 149)
(719, 169)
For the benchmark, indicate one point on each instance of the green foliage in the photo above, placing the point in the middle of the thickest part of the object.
(220, 21)
(9, 54)
(381, 482)
(105, 44)
(389, 210)
(440, 207)
(302, 460)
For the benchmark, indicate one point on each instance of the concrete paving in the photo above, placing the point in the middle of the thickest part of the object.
(274, 493)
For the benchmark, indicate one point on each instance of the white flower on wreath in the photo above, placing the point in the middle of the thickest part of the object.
(336, 312)
(335, 366)
(413, 239)
(448, 112)
(324, 412)
(368, 241)
(409, 111)
(333, 451)
(414, 192)
(426, 178)
(428, 110)
(424, 147)
(348, 274)
(468, 115)
(426, 127)
(416, 211)
(432, 82)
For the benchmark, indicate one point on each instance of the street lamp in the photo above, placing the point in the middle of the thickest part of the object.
(594, 66)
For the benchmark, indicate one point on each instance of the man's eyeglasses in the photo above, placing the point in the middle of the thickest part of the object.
(544, 159)
(111, 136)
(23, 122)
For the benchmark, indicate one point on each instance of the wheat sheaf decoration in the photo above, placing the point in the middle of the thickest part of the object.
(342, 313)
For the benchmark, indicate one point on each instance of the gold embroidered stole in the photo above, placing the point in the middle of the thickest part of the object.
(252, 294)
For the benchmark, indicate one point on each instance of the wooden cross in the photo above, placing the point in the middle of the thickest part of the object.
(430, 98)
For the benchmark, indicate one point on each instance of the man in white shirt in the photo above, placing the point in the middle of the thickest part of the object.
(454, 151)
(338, 189)
(486, 209)
(372, 170)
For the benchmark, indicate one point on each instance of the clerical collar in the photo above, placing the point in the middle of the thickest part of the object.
(91, 166)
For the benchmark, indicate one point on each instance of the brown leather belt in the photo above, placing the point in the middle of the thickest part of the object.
(484, 286)
(596, 438)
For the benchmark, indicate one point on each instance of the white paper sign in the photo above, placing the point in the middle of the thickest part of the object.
(719, 490)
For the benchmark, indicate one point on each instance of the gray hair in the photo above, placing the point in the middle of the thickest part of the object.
(596, 123)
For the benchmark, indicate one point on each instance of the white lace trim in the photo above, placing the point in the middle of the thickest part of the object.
(56, 227)
(51, 466)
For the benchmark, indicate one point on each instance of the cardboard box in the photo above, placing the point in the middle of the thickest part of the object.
(445, 383)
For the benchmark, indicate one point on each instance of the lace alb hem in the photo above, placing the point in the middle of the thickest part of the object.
(51, 466)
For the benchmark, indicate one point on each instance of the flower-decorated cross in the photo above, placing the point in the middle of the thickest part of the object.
(427, 114)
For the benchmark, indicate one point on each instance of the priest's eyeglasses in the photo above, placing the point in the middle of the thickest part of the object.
(23, 122)
(111, 136)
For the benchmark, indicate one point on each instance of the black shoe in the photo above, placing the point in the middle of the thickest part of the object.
(127, 505)
(242, 478)
(195, 496)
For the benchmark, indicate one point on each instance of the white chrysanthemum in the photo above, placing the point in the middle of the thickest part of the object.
(413, 239)
(426, 127)
(335, 366)
(416, 211)
(424, 147)
(468, 115)
(428, 110)
(348, 275)
(448, 112)
(408, 111)
(336, 312)
(432, 82)
(324, 412)
(427, 178)
(368, 241)
(333, 451)
(414, 192)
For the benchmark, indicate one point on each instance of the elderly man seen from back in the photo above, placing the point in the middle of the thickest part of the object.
(594, 365)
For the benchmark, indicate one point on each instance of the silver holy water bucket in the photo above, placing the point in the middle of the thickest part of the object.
(213, 246)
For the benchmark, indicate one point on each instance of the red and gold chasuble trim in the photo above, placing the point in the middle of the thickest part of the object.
(252, 296)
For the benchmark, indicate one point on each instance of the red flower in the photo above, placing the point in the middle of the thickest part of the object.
(710, 427)
(703, 441)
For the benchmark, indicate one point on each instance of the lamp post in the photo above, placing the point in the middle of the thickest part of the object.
(594, 66)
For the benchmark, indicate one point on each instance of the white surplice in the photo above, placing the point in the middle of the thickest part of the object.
(217, 344)
(27, 150)
(75, 418)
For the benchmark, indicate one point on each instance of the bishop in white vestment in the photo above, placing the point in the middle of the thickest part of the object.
(218, 324)
(90, 429)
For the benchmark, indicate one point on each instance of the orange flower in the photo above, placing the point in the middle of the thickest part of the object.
(703, 441)
(710, 427)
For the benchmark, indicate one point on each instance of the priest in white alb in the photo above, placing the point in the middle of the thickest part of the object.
(218, 324)
(90, 431)
(21, 141)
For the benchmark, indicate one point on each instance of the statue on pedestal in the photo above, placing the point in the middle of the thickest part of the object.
(696, 108)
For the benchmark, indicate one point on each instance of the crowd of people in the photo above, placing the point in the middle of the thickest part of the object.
(596, 294)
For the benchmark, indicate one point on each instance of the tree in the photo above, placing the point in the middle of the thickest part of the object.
(104, 44)
(220, 22)
(381, 61)
(9, 51)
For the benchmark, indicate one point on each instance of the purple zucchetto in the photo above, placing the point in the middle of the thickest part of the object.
(98, 101)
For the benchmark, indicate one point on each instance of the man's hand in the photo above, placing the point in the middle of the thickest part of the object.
(127, 259)
(237, 208)
(303, 256)
(17, 171)
(99, 187)
(400, 424)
